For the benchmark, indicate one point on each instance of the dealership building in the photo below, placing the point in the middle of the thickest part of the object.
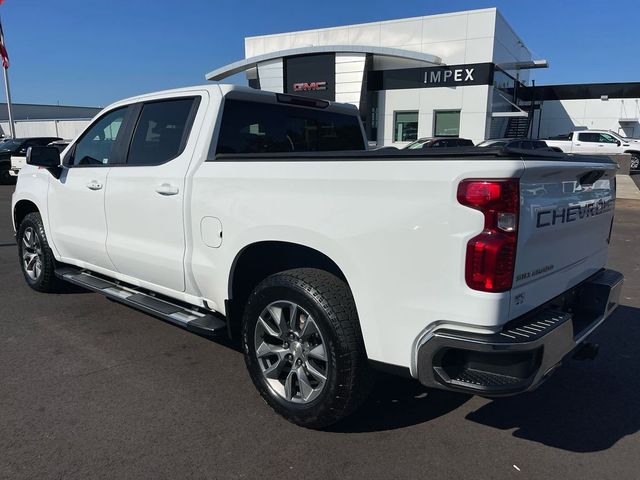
(464, 74)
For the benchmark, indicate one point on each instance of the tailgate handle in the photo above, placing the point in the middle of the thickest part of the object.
(591, 177)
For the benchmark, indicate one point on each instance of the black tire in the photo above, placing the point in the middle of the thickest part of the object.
(45, 281)
(328, 300)
(5, 177)
(635, 162)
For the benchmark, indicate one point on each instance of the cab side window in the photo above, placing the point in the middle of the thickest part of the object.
(161, 132)
(606, 138)
(96, 146)
(589, 137)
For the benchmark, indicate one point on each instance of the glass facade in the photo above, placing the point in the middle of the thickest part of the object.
(446, 123)
(405, 127)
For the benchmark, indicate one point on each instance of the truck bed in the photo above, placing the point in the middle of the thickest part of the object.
(453, 153)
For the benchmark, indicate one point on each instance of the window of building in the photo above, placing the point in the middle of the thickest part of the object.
(405, 127)
(159, 133)
(446, 123)
(96, 146)
(255, 127)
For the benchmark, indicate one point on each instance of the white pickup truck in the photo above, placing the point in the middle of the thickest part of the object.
(600, 142)
(232, 211)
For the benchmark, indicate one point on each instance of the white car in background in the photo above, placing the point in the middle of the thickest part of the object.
(603, 142)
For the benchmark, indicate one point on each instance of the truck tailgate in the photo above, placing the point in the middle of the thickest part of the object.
(566, 216)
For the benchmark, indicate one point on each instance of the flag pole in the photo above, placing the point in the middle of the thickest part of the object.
(12, 127)
(5, 66)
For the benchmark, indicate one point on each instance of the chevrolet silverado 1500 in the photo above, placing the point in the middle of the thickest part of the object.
(597, 142)
(231, 211)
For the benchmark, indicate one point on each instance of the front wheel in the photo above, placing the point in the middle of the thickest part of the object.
(303, 347)
(635, 161)
(36, 258)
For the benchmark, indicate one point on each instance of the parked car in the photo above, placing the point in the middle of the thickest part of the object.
(597, 142)
(17, 147)
(60, 144)
(517, 143)
(241, 212)
(19, 161)
(439, 142)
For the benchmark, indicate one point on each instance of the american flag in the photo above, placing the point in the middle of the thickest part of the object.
(3, 50)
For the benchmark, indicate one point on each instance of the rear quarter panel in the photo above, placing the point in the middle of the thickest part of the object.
(395, 229)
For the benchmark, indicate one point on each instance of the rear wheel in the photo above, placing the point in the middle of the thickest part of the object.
(36, 258)
(303, 347)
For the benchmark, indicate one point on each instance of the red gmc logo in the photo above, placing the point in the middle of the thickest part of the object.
(307, 86)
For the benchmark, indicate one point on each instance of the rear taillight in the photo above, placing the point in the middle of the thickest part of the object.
(491, 255)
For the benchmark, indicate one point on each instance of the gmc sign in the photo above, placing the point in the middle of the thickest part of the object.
(309, 86)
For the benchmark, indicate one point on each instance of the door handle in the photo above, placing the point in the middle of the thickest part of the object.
(167, 189)
(94, 185)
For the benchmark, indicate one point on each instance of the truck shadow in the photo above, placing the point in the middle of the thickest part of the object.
(397, 402)
(586, 406)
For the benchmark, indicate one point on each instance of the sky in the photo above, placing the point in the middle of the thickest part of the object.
(80, 52)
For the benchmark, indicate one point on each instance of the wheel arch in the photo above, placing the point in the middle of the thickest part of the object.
(21, 209)
(258, 260)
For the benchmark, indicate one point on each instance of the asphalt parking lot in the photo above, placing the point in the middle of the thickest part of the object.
(93, 389)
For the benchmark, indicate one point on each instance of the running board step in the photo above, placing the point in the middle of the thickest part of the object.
(188, 317)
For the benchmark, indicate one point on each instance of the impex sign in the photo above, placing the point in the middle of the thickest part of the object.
(432, 77)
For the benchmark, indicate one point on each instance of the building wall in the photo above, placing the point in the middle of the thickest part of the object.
(470, 100)
(459, 37)
(26, 111)
(271, 75)
(66, 129)
(563, 116)
(475, 36)
(508, 48)
(349, 76)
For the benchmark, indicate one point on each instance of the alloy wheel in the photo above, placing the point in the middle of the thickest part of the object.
(290, 350)
(32, 253)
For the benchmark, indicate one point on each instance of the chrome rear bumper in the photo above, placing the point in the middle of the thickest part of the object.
(527, 350)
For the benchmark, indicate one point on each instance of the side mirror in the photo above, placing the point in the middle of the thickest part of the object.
(618, 142)
(46, 157)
